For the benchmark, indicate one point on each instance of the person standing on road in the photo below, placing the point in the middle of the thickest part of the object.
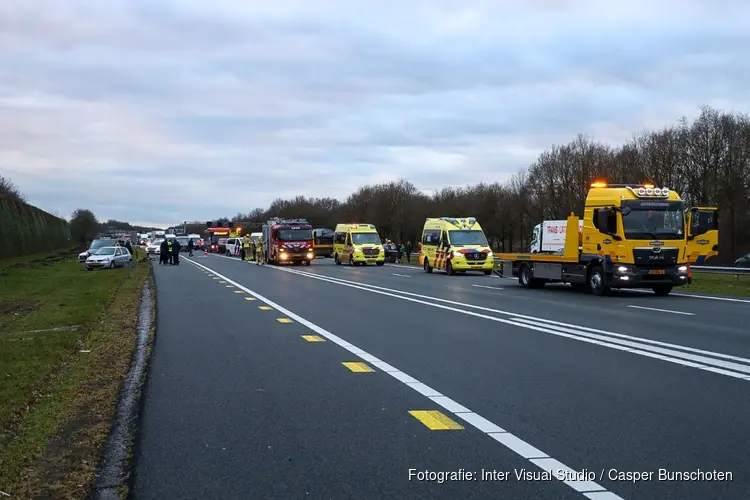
(163, 253)
(176, 252)
(170, 251)
(190, 248)
(245, 252)
(259, 252)
(129, 246)
(253, 250)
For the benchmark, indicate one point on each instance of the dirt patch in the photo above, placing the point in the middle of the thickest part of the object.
(17, 307)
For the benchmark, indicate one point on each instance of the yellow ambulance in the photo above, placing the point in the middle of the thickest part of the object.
(455, 245)
(357, 244)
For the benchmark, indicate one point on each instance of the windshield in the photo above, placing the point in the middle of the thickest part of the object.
(157, 242)
(662, 220)
(183, 241)
(101, 243)
(365, 239)
(295, 234)
(105, 251)
(473, 237)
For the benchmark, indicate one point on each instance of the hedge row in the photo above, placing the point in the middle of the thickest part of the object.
(25, 229)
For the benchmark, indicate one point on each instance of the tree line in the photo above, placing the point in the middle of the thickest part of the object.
(706, 160)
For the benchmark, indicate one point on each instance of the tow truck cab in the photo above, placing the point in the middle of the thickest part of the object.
(633, 236)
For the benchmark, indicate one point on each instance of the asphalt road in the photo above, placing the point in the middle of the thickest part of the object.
(251, 398)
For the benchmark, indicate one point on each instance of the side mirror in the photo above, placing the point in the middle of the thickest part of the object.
(626, 211)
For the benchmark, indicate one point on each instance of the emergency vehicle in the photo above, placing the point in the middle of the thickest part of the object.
(633, 236)
(214, 234)
(288, 240)
(357, 244)
(323, 239)
(455, 245)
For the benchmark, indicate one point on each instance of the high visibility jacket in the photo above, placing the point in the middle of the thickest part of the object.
(169, 246)
(246, 242)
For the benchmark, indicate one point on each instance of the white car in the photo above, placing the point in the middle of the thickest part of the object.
(108, 257)
(154, 247)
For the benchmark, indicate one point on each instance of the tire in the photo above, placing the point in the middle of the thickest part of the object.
(595, 282)
(487, 272)
(336, 259)
(380, 264)
(449, 269)
(426, 266)
(524, 276)
(662, 290)
(351, 260)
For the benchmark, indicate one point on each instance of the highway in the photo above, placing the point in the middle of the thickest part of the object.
(351, 382)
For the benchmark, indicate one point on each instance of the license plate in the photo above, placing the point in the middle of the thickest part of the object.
(656, 271)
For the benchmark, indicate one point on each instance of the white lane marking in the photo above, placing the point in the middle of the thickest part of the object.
(470, 417)
(575, 332)
(690, 295)
(490, 287)
(662, 310)
(402, 275)
(404, 266)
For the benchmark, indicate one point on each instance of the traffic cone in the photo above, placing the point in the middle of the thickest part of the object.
(205, 252)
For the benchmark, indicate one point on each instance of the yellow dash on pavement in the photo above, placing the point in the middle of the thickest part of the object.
(216, 278)
(264, 308)
(283, 320)
(358, 367)
(238, 291)
(230, 286)
(313, 338)
(249, 298)
(435, 420)
(222, 282)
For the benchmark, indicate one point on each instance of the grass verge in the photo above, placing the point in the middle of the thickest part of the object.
(703, 283)
(66, 338)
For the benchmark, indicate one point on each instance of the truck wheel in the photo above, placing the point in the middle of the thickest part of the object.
(449, 269)
(524, 276)
(336, 259)
(487, 272)
(662, 290)
(596, 282)
(426, 266)
(381, 263)
(351, 260)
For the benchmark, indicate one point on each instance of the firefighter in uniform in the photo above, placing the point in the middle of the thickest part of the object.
(259, 251)
(246, 248)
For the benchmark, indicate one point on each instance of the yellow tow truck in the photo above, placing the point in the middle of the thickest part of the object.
(633, 236)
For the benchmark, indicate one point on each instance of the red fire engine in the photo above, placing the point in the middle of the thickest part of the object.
(288, 240)
(213, 235)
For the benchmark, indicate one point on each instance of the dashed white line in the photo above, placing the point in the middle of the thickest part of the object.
(490, 287)
(509, 440)
(662, 310)
(402, 275)
(674, 353)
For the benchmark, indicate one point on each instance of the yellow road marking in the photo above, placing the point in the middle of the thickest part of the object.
(264, 308)
(313, 338)
(249, 298)
(230, 286)
(216, 278)
(222, 282)
(238, 291)
(283, 320)
(435, 420)
(358, 367)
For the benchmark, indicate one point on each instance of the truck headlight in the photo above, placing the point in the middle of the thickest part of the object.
(622, 269)
(310, 255)
(682, 269)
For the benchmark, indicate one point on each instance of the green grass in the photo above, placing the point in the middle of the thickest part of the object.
(719, 284)
(56, 403)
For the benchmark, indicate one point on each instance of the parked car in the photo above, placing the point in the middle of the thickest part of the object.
(183, 243)
(95, 245)
(743, 261)
(221, 246)
(108, 257)
(231, 244)
(154, 248)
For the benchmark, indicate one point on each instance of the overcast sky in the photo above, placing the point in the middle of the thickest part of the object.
(158, 111)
